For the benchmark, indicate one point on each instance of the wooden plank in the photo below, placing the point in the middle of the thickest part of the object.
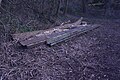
(52, 36)
(69, 34)
(26, 35)
(36, 37)
(41, 37)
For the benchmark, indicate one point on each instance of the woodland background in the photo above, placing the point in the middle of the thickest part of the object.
(92, 56)
(29, 15)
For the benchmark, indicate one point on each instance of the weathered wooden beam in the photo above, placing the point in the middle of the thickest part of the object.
(40, 37)
(26, 35)
(36, 37)
(70, 34)
(52, 36)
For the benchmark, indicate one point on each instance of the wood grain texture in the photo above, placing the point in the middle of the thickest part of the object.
(70, 34)
(54, 35)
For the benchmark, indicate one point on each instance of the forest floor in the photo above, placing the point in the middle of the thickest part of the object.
(92, 56)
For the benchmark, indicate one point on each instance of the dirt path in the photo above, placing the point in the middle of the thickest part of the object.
(93, 56)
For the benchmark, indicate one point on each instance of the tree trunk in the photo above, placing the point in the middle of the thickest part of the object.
(84, 6)
(108, 7)
(65, 7)
(58, 7)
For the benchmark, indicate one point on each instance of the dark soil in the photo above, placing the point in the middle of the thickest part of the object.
(92, 56)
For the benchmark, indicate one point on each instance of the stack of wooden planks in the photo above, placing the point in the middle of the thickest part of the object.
(54, 35)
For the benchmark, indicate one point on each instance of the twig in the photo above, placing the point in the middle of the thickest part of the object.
(14, 3)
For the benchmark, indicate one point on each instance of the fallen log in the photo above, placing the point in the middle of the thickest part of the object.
(56, 36)
(70, 34)
(24, 36)
(52, 36)
(36, 39)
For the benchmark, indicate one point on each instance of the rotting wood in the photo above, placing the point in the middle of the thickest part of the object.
(69, 34)
(51, 36)
(24, 36)
(40, 37)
